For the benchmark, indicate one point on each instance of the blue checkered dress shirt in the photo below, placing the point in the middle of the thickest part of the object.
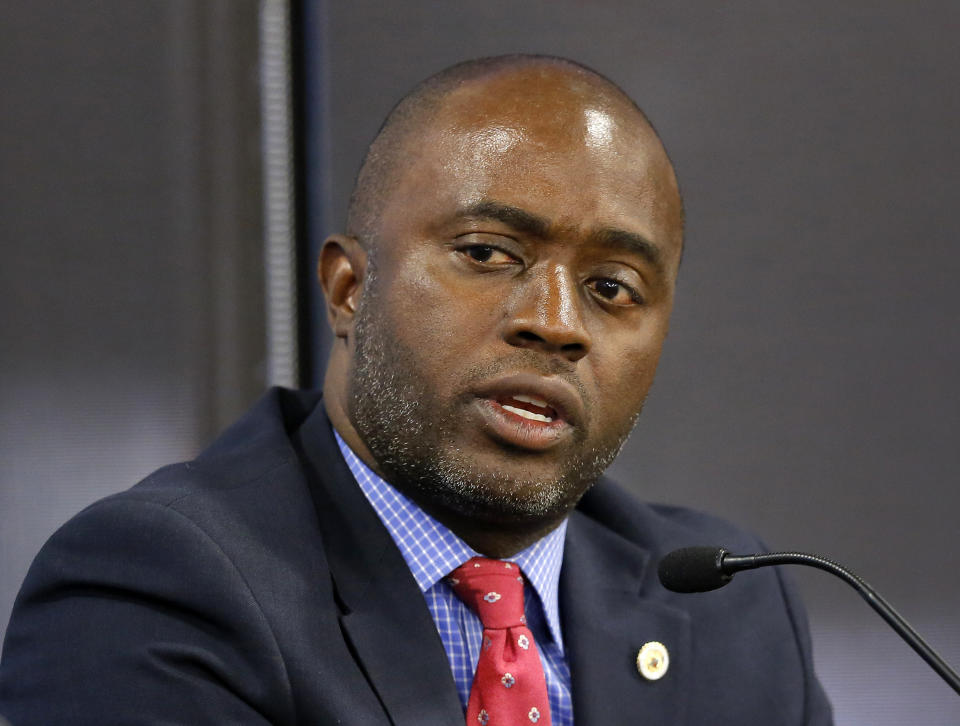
(432, 551)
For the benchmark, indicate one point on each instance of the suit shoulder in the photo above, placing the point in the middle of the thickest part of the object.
(254, 453)
(250, 449)
(240, 507)
(660, 527)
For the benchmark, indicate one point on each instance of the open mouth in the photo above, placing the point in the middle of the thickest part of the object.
(529, 407)
(528, 411)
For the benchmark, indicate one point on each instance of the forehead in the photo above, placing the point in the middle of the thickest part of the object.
(547, 140)
(542, 110)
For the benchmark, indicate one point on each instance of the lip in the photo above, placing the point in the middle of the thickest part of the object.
(522, 433)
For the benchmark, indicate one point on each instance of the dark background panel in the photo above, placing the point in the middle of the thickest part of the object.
(130, 217)
(807, 388)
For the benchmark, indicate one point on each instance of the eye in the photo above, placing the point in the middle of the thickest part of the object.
(614, 291)
(488, 255)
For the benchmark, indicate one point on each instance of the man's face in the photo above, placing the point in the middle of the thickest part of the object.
(521, 287)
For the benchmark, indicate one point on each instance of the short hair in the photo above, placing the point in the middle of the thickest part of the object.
(383, 159)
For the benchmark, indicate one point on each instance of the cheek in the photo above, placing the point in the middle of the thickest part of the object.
(625, 372)
(434, 312)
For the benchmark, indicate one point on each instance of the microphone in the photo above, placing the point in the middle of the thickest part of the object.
(701, 569)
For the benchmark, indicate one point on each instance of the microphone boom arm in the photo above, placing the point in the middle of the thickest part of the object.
(731, 564)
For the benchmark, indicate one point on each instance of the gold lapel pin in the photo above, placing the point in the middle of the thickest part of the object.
(653, 660)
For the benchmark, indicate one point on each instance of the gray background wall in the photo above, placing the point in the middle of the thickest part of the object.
(131, 284)
(807, 390)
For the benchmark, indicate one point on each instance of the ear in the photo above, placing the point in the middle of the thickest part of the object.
(341, 269)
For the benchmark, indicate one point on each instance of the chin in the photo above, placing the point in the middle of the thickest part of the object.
(499, 493)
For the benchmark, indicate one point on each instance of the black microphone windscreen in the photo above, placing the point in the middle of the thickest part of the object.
(693, 569)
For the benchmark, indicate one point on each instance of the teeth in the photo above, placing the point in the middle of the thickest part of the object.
(527, 414)
(535, 401)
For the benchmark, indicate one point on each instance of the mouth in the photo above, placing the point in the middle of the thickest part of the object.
(530, 408)
(530, 412)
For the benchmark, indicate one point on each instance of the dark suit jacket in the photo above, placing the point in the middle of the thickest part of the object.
(256, 585)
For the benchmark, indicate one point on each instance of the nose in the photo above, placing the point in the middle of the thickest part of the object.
(546, 314)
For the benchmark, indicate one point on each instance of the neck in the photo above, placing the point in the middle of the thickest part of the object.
(491, 538)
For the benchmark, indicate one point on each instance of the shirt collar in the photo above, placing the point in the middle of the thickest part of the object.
(432, 551)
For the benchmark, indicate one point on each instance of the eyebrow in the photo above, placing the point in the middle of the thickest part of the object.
(528, 223)
(519, 219)
(633, 243)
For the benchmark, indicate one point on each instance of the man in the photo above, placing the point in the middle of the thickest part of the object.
(499, 306)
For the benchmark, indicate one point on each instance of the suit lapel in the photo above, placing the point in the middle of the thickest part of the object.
(396, 642)
(607, 617)
(385, 617)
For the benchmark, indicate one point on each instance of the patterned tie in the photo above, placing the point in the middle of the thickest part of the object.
(508, 687)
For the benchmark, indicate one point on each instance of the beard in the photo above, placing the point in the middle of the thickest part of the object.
(412, 432)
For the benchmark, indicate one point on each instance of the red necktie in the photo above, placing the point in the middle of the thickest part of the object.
(508, 687)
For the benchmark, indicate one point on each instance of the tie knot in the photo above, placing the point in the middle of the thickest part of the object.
(493, 589)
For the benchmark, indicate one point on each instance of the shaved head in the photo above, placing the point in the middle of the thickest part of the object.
(396, 141)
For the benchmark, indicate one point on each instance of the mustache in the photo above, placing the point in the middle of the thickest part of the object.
(529, 361)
